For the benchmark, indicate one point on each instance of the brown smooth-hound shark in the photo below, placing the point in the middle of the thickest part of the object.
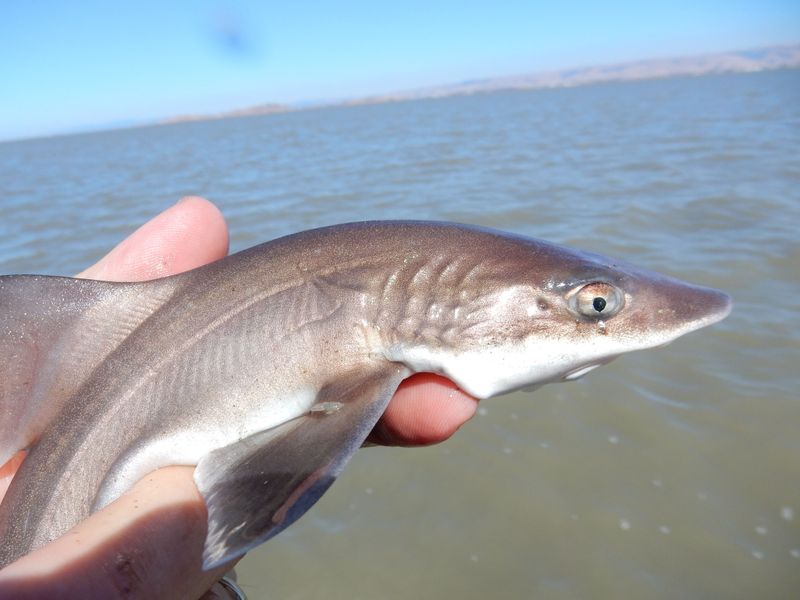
(268, 369)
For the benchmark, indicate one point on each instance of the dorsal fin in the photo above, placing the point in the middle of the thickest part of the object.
(54, 331)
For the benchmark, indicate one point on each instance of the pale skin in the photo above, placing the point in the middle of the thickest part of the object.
(151, 538)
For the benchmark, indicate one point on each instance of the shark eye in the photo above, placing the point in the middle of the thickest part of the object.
(598, 300)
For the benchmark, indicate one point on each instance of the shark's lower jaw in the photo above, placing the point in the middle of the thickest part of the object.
(484, 373)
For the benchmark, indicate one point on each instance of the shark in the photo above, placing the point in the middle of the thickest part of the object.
(268, 369)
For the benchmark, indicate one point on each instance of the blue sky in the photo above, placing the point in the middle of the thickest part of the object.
(65, 66)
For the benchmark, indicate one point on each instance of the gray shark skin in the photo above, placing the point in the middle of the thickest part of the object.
(269, 368)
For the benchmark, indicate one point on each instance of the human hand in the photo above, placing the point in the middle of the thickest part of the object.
(149, 542)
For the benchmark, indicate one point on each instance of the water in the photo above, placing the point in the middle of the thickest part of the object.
(669, 473)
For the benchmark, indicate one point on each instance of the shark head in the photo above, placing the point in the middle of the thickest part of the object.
(531, 312)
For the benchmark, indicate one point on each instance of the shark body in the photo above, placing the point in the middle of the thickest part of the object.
(269, 368)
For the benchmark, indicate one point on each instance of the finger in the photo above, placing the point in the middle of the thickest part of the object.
(426, 409)
(146, 544)
(187, 235)
(7, 471)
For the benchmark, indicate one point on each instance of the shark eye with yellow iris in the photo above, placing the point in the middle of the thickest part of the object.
(597, 300)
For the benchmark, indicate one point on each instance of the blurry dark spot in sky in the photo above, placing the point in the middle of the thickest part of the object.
(233, 36)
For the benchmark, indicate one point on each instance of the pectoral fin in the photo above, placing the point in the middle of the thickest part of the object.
(257, 486)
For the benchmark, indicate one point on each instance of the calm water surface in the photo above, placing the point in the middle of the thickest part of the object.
(672, 473)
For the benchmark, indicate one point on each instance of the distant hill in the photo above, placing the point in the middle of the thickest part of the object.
(261, 109)
(744, 61)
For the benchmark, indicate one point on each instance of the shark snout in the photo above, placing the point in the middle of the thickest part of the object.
(724, 304)
(684, 307)
(701, 306)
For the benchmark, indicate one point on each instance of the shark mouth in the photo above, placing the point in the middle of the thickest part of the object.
(584, 369)
(579, 372)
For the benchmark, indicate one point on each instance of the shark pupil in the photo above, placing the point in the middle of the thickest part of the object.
(599, 304)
